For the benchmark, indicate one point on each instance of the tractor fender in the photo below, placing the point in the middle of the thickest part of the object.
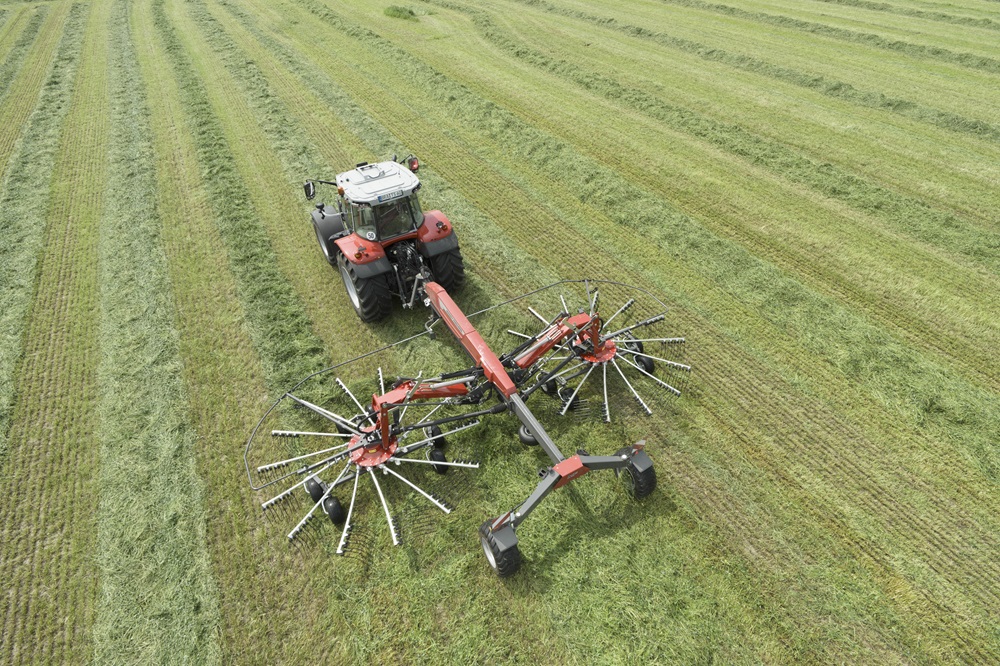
(329, 226)
(372, 261)
(433, 239)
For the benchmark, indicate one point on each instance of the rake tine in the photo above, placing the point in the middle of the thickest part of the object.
(669, 341)
(644, 322)
(673, 364)
(410, 447)
(417, 488)
(563, 301)
(593, 301)
(406, 399)
(351, 395)
(301, 433)
(447, 463)
(540, 317)
(520, 335)
(385, 505)
(569, 402)
(326, 414)
(653, 377)
(634, 392)
(607, 407)
(350, 511)
(282, 463)
(629, 303)
(381, 381)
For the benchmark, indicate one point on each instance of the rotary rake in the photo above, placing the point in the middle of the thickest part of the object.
(333, 443)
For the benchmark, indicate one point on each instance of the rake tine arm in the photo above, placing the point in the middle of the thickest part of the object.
(416, 445)
(607, 407)
(672, 364)
(361, 409)
(653, 377)
(326, 493)
(325, 414)
(347, 523)
(385, 505)
(381, 381)
(446, 463)
(540, 317)
(285, 493)
(669, 341)
(569, 402)
(645, 322)
(282, 463)
(629, 303)
(402, 478)
(300, 433)
(634, 392)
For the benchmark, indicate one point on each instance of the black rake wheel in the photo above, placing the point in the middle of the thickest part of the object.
(526, 437)
(371, 297)
(505, 563)
(437, 455)
(638, 484)
(449, 269)
(333, 509)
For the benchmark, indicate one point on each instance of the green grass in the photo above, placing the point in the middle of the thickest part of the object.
(810, 187)
(157, 599)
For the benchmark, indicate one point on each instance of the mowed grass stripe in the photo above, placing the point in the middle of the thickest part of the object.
(23, 211)
(157, 595)
(338, 106)
(941, 229)
(21, 96)
(863, 265)
(224, 377)
(943, 17)
(825, 85)
(47, 517)
(18, 49)
(915, 50)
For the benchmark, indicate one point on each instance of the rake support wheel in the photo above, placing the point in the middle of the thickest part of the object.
(502, 554)
(371, 297)
(639, 482)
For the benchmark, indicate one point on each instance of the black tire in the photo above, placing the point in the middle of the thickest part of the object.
(437, 455)
(550, 388)
(449, 270)
(504, 563)
(526, 437)
(315, 488)
(638, 484)
(371, 297)
(331, 505)
(643, 362)
(438, 442)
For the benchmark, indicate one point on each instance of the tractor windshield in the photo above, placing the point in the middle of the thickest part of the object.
(391, 219)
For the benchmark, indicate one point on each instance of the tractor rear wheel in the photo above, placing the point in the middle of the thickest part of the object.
(371, 297)
(449, 269)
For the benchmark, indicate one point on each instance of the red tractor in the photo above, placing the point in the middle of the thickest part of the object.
(380, 239)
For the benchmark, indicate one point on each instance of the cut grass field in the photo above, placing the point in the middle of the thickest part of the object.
(811, 186)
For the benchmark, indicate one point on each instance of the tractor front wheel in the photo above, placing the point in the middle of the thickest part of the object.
(504, 562)
(371, 297)
(449, 270)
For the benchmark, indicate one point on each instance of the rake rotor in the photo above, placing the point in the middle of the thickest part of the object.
(329, 439)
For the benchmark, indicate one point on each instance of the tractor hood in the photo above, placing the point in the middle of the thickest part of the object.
(377, 183)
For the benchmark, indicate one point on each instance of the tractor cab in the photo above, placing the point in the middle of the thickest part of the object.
(380, 200)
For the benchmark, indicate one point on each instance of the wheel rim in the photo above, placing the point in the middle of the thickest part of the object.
(489, 552)
(352, 292)
(628, 481)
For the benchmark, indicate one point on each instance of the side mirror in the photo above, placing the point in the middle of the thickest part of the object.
(310, 188)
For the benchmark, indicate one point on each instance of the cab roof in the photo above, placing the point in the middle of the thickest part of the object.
(376, 183)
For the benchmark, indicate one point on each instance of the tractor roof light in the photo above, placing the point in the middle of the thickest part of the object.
(412, 163)
(340, 190)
